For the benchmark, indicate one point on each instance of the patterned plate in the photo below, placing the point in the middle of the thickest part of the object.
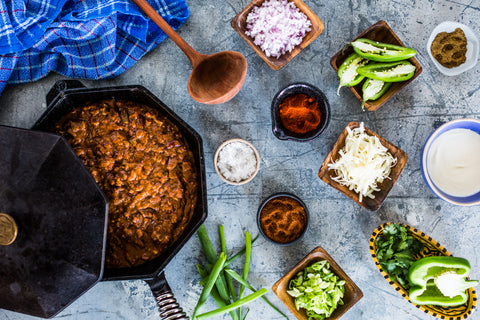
(432, 248)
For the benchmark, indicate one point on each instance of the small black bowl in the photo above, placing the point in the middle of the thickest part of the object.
(299, 87)
(275, 196)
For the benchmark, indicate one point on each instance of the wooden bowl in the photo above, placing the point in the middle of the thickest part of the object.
(239, 24)
(380, 32)
(431, 248)
(387, 184)
(352, 292)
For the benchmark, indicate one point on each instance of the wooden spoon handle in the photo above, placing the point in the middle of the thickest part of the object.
(192, 55)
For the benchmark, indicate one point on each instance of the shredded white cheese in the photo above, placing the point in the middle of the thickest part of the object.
(364, 163)
(277, 26)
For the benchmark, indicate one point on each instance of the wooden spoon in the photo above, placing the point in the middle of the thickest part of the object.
(215, 78)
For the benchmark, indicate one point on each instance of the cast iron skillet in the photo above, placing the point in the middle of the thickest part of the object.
(67, 95)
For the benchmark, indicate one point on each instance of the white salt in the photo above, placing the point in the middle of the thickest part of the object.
(236, 161)
(277, 26)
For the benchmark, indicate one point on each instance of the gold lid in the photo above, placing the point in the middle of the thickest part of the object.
(8, 229)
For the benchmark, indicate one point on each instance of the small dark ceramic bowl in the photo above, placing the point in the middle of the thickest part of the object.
(284, 134)
(275, 196)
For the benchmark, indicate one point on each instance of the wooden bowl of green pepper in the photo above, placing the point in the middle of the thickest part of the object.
(376, 51)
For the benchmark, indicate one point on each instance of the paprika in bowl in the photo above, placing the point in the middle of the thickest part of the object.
(300, 112)
(282, 218)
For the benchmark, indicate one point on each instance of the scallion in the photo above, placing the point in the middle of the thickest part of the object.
(217, 268)
(238, 278)
(233, 306)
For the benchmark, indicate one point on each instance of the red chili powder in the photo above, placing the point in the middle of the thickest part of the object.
(300, 113)
(283, 219)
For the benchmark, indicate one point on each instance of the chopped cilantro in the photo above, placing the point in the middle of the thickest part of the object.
(396, 252)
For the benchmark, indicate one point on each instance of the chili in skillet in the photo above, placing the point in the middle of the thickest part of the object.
(145, 168)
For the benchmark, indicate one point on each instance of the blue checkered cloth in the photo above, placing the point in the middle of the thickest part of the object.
(88, 39)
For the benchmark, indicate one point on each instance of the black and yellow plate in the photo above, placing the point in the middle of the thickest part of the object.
(431, 248)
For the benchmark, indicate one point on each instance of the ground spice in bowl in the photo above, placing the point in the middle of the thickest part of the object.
(450, 48)
(300, 113)
(282, 218)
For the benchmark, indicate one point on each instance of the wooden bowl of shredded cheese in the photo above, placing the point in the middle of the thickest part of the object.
(363, 166)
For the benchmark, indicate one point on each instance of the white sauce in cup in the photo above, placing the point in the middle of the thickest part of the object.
(453, 162)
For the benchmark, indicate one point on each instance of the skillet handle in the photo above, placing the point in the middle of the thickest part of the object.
(169, 308)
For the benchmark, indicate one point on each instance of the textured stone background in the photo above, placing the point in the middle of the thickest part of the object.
(337, 224)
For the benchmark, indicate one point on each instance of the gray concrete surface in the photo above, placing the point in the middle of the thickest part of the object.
(337, 223)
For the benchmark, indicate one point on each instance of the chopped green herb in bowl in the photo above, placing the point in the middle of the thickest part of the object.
(396, 251)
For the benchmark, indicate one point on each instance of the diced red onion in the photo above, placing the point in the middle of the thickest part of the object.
(277, 26)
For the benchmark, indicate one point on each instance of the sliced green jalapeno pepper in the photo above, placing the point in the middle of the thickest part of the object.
(382, 52)
(388, 72)
(373, 89)
(347, 73)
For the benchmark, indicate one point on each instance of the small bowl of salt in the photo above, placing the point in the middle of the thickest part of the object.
(236, 161)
